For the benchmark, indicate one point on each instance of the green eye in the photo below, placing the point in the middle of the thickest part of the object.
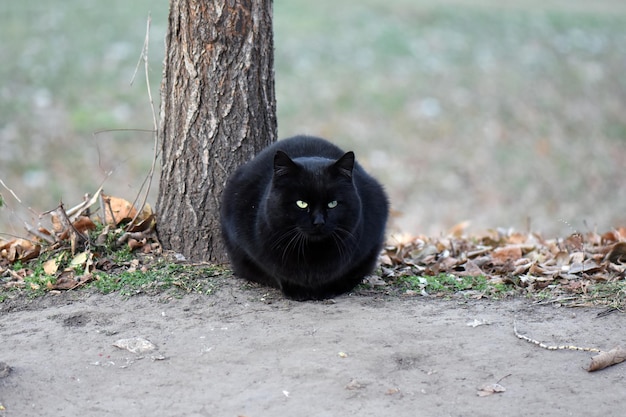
(302, 204)
(332, 204)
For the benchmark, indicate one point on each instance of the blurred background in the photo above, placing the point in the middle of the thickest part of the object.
(506, 114)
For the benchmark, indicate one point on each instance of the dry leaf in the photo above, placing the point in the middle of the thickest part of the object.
(57, 224)
(471, 269)
(145, 221)
(80, 259)
(117, 210)
(506, 254)
(64, 281)
(51, 266)
(476, 323)
(21, 250)
(490, 389)
(618, 253)
(606, 359)
(135, 345)
(354, 384)
(84, 224)
(458, 229)
(135, 244)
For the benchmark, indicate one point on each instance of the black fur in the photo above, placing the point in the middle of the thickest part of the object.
(304, 217)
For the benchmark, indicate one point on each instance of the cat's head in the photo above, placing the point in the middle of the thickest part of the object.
(314, 197)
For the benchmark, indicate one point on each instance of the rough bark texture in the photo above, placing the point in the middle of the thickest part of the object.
(218, 109)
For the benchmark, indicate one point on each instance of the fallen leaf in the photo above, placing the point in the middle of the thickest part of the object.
(618, 253)
(577, 257)
(83, 224)
(80, 259)
(135, 244)
(490, 389)
(135, 345)
(476, 323)
(606, 359)
(354, 384)
(51, 266)
(145, 221)
(117, 210)
(68, 280)
(470, 269)
(575, 268)
(506, 254)
(458, 229)
(20, 250)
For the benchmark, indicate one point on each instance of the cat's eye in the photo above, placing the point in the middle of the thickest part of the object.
(332, 204)
(302, 204)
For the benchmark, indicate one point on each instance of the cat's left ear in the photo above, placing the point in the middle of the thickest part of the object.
(283, 164)
(345, 164)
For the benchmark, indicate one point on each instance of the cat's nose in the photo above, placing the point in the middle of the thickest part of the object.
(318, 220)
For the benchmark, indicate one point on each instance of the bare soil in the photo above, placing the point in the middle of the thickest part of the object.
(248, 352)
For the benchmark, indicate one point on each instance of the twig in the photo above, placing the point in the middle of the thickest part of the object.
(553, 301)
(548, 347)
(68, 223)
(97, 132)
(11, 191)
(43, 236)
(505, 376)
(148, 179)
(106, 204)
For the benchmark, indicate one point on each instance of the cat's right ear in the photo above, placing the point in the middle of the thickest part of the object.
(283, 165)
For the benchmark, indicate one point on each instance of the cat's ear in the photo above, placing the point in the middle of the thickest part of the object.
(283, 165)
(345, 164)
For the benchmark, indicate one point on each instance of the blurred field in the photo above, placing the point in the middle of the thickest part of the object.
(466, 110)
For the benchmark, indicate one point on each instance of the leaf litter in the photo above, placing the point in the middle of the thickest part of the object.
(579, 270)
(72, 244)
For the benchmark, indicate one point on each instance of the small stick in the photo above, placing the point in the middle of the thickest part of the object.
(11, 191)
(148, 179)
(548, 347)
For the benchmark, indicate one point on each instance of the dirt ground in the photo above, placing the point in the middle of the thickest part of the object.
(247, 352)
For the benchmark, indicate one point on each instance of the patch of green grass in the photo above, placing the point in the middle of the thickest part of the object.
(110, 248)
(36, 283)
(601, 293)
(450, 284)
(159, 277)
(612, 294)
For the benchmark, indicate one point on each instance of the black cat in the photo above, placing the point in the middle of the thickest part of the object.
(304, 217)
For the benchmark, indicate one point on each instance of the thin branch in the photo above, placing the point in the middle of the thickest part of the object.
(97, 132)
(148, 179)
(11, 191)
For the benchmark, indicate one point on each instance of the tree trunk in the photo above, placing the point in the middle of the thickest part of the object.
(218, 109)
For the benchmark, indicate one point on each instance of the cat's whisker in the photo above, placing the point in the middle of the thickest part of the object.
(302, 240)
(291, 237)
(340, 245)
(345, 244)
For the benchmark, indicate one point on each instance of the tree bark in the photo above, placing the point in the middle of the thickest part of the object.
(218, 109)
